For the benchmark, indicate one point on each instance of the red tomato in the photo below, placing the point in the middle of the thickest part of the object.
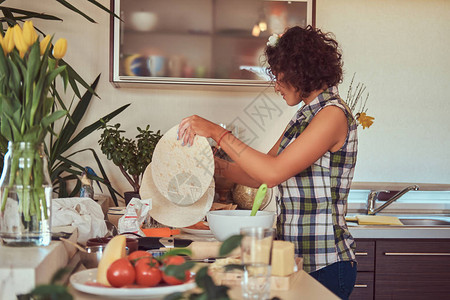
(175, 260)
(147, 272)
(136, 255)
(151, 261)
(120, 272)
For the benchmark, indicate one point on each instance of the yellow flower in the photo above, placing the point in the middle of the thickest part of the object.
(19, 41)
(8, 41)
(60, 48)
(29, 34)
(44, 43)
(364, 120)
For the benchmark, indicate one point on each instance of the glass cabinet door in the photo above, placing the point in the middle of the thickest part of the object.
(213, 42)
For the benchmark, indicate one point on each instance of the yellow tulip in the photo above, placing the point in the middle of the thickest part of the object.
(60, 48)
(29, 34)
(8, 41)
(44, 43)
(19, 41)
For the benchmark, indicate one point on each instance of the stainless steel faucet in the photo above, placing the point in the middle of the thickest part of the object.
(373, 196)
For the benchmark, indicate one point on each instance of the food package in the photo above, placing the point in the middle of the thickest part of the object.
(135, 214)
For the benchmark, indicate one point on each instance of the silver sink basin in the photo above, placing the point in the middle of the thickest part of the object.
(424, 222)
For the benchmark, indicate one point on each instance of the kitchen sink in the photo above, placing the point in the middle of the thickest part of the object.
(424, 222)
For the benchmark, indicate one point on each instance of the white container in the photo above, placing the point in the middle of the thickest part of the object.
(225, 223)
(143, 20)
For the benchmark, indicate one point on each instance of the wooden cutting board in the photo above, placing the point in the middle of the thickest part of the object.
(378, 220)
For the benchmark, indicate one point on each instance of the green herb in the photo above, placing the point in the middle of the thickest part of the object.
(131, 156)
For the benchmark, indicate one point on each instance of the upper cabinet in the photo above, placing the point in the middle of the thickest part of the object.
(198, 42)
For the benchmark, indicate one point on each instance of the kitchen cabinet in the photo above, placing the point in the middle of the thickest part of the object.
(402, 269)
(198, 42)
(365, 256)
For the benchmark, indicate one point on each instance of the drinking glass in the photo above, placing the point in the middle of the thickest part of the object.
(256, 255)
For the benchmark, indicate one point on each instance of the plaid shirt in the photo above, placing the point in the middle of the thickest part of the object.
(311, 205)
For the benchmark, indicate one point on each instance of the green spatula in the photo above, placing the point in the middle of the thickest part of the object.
(260, 194)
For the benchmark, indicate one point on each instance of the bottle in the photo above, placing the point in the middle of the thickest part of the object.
(86, 191)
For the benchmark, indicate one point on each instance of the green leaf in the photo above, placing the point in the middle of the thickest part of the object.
(52, 292)
(52, 75)
(74, 9)
(59, 274)
(3, 64)
(96, 125)
(174, 296)
(8, 15)
(230, 244)
(200, 277)
(175, 252)
(178, 271)
(26, 14)
(105, 9)
(47, 120)
(61, 145)
(232, 267)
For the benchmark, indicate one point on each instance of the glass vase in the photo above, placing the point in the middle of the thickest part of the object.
(25, 196)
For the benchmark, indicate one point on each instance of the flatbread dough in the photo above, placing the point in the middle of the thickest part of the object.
(170, 214)
(182, 174)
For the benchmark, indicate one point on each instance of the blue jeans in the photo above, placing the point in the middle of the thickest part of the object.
(339, 277)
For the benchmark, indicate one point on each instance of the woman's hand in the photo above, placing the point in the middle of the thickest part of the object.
(194, 125)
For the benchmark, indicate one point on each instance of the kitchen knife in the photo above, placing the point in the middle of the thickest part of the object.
(151, 243)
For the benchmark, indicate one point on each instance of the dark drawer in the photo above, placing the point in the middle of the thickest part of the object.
(363, 287)
(413, 257)
(365, 255)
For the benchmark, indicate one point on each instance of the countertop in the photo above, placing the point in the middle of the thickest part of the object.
(22, 268)
(402, 232)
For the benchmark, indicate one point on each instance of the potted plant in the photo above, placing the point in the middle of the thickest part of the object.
(131, 156)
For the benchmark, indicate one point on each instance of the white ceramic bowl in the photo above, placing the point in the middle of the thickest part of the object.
(144, 20)
(225, 223)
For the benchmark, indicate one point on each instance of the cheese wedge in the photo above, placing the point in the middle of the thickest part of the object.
(283, 261)
(114, 250)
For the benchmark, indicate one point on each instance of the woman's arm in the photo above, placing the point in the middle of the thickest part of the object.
(232, 171)
(326, 132)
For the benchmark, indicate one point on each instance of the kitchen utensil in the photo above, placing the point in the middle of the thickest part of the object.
(150, 243)
(225, 223)
(260, 194)
(82, 249)
(160, 232)
(131, 243)
(244, 197)
(182, 174)
(91, 256)
(168, 213)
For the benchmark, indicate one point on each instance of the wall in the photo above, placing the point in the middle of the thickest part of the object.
(397, 48)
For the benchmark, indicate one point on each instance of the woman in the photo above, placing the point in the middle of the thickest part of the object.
(313, 161)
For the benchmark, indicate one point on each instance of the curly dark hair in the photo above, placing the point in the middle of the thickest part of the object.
(307, 58)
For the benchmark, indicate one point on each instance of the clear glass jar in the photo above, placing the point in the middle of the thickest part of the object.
(25, 196)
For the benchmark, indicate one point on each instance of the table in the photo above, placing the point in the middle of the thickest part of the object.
(304, 288)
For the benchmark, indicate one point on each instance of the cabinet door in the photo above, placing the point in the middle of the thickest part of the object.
(363, 288)
(219, 42)
(365, 255)
(412, 269)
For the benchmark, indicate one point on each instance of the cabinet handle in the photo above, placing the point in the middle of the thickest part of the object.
(361, 253)
(415, 254)
(360, 286)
